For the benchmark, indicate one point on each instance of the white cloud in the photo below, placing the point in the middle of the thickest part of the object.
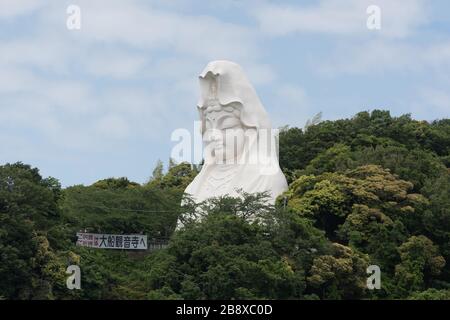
(13, 8)
(71, 86)
(138, 25)
(115, 63)
(383, 55)
(342, 17)
(369, 57)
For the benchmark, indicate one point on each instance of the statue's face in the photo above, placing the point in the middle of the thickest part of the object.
(224, 135)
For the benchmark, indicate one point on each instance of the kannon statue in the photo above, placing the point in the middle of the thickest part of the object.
(240, 149)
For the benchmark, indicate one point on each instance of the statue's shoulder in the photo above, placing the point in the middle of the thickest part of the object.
(193, 187)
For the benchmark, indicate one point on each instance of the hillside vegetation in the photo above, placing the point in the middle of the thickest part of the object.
(370, 190)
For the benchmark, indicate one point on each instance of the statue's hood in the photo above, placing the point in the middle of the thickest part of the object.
(233, 86)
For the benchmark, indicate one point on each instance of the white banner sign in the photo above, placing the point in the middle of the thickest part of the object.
(112, 241)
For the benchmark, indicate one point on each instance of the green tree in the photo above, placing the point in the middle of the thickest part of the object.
(420, 260)
(340, 275)
(29, 267)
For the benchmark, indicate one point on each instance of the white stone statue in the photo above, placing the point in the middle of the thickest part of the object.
(239, 143)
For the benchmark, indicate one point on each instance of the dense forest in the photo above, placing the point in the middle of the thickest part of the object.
(370, 190)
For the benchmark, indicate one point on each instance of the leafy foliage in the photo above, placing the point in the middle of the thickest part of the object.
(373, 189)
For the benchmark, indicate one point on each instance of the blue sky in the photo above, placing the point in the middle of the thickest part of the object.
(102, 101)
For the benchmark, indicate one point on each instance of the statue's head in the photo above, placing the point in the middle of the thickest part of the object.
(223, 130)
(234, 124)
